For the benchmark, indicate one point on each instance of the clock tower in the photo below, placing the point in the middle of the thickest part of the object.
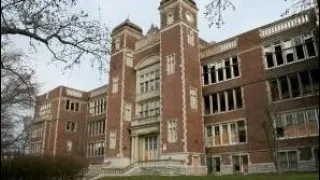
(181, 83)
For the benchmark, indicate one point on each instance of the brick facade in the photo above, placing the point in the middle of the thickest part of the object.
(161, 105)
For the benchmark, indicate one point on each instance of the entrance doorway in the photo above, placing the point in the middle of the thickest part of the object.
(151, 148)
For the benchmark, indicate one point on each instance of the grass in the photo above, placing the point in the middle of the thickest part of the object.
(284, 176)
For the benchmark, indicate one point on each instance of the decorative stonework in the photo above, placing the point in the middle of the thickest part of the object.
(74, 93)
(219, 48)
(284, 25)
(148, 41)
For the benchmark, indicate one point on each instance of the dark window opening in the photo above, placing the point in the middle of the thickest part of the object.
(278, 52)
(284, 87)
(280, 132)
(290, 57)
(305, 81)
(68, 104)
(242, 131)
(239, 98)
(220, 74)
(270, 62)
(310, 47)
(77, 107)
(217, 164)
(205, 75)
(230, 100)
(295, 88)
(213, 74)
(274, 90)
(209, 165)
(235, 66)
(207, 104)
(299, 50)
(72, 106)
(315, 79)
(228, 69)
(222, 102)
(215, 103)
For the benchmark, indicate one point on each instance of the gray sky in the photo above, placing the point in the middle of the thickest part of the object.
(249, 14)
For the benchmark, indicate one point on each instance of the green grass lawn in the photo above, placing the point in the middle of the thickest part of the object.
(284, 176)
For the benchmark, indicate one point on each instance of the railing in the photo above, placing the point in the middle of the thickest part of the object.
(145, 120)
(148, 95)
(284, 25)
(219, 48)
(123, 171)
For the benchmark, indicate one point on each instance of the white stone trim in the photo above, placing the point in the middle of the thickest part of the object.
(161, 120)
(44, 130)
(57, 123)
(179, 24)
(122, 106)
(183, 82)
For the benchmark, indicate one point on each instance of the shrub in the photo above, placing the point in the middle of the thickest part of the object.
(42, 168)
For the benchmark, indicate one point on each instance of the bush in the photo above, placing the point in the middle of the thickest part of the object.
(42, 168)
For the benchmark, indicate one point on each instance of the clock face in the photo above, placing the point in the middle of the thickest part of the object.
(189, 17)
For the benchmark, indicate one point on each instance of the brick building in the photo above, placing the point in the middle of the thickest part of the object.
(178, 104)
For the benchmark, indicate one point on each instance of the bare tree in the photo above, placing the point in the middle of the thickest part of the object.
(215, 10)
(70, 36)
(17, 98)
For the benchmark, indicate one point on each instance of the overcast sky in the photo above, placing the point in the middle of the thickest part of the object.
(249, 14)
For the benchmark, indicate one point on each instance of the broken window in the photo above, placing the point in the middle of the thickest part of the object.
(230, 100)
(205, 75)
(222, 102)
(77, 106)
(215, 103)
(278, 53)
(68, 105)
(242, 131)
(299, 48)
(279, 126)
(235, 65)
(228, 69)
(284, 87)
(295, 88)
(274, 90)
(269, 56)
(305, 81)
(217, 139)
(213, 74)
(220, 74)
(308, 40)
(315, 79)
(207, 104)
(239, 98)
(288, 51)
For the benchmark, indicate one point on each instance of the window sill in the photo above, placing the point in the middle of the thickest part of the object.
(227, 145)
(296, 98)
(216, 83)
(290, 63)
(298, 137)
(215, 114)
